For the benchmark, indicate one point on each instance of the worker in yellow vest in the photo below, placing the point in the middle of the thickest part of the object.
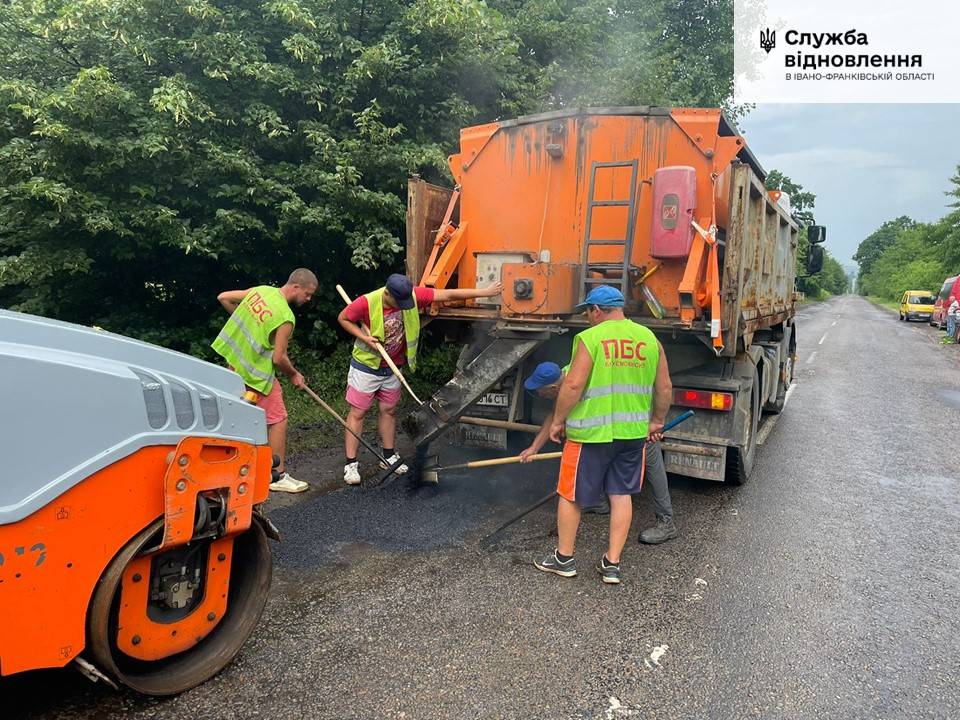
(254, 343)
(392, 313)
(614, 397)
(545, 382)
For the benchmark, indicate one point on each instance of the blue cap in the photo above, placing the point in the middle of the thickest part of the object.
(400, 288)
(546, 373)
(604, 296)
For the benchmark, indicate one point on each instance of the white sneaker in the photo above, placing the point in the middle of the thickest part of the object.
(351, 473)
(289, 484)
(401, 468)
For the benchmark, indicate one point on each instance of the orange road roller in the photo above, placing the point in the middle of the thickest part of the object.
(131, 538)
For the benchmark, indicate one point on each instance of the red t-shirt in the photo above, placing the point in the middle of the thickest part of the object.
(395, 341)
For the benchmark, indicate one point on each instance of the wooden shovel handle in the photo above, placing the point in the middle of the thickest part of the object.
(513, 459)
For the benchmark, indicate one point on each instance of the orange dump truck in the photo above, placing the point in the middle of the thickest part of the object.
(667, 205)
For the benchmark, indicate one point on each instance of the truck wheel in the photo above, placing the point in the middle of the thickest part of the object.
(740, 459)
(776, 407)
(251, 569)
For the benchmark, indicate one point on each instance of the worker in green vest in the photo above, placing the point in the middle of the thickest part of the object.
(614, 397)
(254, 343)
(545, 382)
(392, 314)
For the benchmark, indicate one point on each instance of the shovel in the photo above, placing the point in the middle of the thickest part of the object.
(672, 424)
(383, 461)
(431, 469)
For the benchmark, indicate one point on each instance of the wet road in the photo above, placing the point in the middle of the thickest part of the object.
(828, 586)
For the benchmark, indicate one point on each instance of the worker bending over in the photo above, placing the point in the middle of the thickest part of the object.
(392, 315)
(544, 382)
(615, 396)
(254, 343)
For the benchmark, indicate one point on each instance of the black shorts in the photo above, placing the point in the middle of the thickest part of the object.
(591, 471)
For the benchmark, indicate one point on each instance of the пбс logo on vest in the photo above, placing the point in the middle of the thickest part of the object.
(258, 306)
(768, 39)
(623, 349)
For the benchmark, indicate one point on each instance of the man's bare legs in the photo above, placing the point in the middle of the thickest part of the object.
(568, 520)
(354, 419)
(277, 439)
(621, 514)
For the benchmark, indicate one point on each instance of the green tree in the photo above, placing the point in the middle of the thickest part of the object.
(911, 261)
(155, 152)
(164, 150)
(591, 52)
(871, 248)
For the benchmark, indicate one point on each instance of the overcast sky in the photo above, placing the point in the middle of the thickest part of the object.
(865, 163)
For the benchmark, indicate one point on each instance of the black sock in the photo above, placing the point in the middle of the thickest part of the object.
(387, 452)
(351, 460)
(563, 558)
(607, 562)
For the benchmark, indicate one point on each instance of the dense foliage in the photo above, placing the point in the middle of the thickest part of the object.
(154, 152)
(832, 278)
(905, 255)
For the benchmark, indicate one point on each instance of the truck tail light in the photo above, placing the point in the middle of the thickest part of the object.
(705, 399)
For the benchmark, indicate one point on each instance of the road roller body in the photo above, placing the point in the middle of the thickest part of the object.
(131, 541)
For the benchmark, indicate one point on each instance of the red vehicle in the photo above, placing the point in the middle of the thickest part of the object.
(951, 287)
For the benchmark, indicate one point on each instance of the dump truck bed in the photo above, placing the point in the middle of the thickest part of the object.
(537, 195)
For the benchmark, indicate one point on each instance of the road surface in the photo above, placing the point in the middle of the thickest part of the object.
(828, 586)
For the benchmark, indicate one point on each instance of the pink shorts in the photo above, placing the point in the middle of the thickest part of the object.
(363, 388)
(272, 403)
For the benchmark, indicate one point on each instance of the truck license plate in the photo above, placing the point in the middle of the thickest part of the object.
(700, 466)
(495, 399)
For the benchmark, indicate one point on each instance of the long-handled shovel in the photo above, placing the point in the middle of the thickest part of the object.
(670, 425)
(383, 461)
(431, 469)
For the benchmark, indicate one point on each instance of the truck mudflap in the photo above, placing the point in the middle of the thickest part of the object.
(699, 460)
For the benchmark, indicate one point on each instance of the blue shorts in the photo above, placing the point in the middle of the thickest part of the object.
(591, 471)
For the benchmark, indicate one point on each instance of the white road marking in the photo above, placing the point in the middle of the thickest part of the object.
(810, 359)
(833, 323)
(822, 339)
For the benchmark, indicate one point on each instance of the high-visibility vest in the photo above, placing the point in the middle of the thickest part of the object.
(365, 354)
(618, 397)
(246, 340)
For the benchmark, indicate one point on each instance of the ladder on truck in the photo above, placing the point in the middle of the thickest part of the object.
(626, 242)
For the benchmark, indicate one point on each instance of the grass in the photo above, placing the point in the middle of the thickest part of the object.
(812, 300)
(885, 303)
(311, 427)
